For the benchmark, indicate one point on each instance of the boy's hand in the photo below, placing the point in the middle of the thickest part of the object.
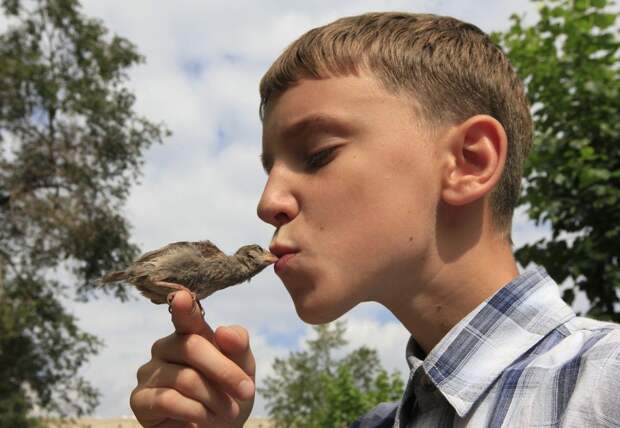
(196, 375)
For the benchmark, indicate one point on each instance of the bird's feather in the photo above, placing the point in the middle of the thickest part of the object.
(207, 248)
(120, 275)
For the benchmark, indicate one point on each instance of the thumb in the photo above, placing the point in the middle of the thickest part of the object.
(187, 317)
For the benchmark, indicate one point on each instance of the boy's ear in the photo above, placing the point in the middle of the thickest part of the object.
(476, 154)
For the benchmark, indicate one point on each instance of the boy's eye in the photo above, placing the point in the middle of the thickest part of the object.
(320, 158)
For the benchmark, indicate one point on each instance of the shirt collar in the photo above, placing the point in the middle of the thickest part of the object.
(473, 354)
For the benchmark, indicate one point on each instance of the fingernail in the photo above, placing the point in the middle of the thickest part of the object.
(234, 331)
(246, 389)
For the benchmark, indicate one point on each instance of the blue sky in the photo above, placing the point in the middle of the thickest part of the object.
(204, 62)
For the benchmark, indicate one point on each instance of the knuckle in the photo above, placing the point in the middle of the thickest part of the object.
(232, 411)
(232, 373)
(189, 379)
(165, 400)
(225, 407)
(157, 347)
(134, 401)
(143, 373)
(193, 343)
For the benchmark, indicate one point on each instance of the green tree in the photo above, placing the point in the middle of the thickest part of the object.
(70, 148)
(569, 61)
(311, 388)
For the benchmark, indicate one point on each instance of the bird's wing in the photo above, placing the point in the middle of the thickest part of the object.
(163, 250)
(208, 248)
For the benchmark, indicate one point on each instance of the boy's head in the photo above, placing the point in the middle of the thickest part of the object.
(382, 135)
(451, 70)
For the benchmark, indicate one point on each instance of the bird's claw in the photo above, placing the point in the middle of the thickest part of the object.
(170, 297)
(202, 311)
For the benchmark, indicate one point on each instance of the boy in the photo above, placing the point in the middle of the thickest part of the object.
(394, 146)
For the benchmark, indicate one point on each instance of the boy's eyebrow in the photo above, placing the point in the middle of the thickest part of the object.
(317, 122)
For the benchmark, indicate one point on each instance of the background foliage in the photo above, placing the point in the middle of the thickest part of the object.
(312, 388)
(569, 60)
(70, 147)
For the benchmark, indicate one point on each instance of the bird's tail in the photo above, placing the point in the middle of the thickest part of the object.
(114, 277)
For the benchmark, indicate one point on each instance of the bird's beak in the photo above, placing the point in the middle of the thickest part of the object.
(269, 257)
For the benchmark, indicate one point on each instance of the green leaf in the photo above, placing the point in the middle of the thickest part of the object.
(581, 5)
(589, 176)
(604, 21)
(587, 153)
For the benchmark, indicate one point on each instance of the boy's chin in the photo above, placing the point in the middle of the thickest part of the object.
(318, 312)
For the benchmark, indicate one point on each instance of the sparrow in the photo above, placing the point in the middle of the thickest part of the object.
(197, 267)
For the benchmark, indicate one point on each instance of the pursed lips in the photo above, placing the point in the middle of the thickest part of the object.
(284, 253)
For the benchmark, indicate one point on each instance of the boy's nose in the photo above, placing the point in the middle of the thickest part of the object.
(277, 205)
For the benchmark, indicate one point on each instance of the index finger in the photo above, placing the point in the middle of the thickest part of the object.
(187, 317)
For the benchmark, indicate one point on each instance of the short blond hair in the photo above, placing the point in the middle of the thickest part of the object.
(451, 68)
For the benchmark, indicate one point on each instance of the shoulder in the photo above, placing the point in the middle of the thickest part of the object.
(604, 360)
(593, 341)
(596, 359)
(588, 345)
(569, 378)
(381, 416)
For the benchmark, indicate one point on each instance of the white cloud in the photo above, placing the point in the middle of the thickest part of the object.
(388, 338)
(525, 231)
(204, 61)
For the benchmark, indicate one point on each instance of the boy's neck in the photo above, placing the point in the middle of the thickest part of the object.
(458, 279)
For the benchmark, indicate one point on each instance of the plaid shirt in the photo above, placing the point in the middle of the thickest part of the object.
(522, 358)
